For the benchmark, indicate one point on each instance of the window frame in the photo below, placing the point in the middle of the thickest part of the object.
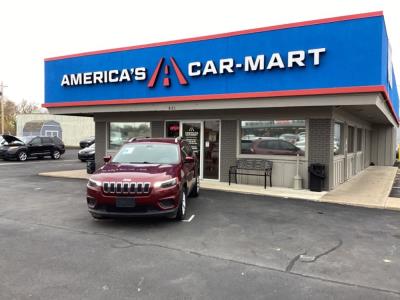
(270, 156)
(350, 151)
(342, 141)
(359, 140)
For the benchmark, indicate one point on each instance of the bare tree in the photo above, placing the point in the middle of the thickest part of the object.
(25, 107)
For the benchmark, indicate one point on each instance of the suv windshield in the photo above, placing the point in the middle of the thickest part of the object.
(154, 153)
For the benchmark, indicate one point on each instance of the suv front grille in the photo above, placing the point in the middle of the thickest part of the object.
(131, 188)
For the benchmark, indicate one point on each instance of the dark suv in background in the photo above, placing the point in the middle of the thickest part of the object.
(87, 142)
(31, 146)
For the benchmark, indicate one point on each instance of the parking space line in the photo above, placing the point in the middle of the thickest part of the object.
(189, 220)
(22, 163)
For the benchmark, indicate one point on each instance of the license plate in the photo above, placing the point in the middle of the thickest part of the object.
(125, 202)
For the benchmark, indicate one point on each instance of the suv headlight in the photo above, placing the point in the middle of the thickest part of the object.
(94, 183)
(166, 184)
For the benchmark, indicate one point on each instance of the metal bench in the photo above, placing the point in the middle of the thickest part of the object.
(251, 165)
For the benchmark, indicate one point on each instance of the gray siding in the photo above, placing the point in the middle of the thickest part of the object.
(157, 129)
(228, 147)
(100, 136)
(321, 146)
(383, 145)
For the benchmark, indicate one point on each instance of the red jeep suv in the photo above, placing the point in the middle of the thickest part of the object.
(147, 177)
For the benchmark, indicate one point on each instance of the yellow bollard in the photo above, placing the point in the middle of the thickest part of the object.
(398, 152)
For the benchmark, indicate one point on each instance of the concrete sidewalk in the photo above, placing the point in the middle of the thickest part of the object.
(221, 186)
(370, 188)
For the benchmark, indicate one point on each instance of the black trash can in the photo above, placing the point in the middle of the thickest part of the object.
(90, 166)
(317, 177)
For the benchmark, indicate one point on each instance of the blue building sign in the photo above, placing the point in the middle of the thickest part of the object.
(339, 55)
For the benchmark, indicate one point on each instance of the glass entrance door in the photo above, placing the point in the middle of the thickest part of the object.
(211, 150)
(191, 132)
(203, 137)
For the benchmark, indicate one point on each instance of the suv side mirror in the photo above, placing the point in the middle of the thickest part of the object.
(107, 158)
(189, 159)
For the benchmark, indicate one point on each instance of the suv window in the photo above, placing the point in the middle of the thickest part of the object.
(269, 144)
(287, 146)
(36, 141)
(56, 140)
(47, 140)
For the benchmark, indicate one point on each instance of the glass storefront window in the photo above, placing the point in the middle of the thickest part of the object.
(359, 139)
(172, 129)
(350, 140)
(338, 139)
(120, 132)
(273, 137)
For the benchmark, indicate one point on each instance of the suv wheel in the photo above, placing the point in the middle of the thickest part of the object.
(196, 188)
(180, 215)
(56, 154)
(22, 156)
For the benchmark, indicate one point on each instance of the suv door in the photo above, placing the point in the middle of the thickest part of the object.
(35, 147)
(47, 145)
(267, 147)
(287, 148)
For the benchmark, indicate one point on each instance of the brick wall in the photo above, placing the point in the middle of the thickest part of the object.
(157, 129)
(228, 147)
(320, 149)
(100, 136)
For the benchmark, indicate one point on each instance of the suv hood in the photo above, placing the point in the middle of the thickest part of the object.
(144, 172)
(10, 138)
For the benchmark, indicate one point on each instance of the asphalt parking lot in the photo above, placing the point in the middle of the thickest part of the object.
(234, 247)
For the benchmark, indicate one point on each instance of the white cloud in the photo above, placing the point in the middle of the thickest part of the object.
(34, 30)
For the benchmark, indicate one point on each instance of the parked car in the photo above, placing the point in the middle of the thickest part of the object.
(301, 144)
(87, 153)
(86, 142)
(150, 176)
(274, 146)
(245, 146)
(301, 135)
(289, 137)
(31, 146)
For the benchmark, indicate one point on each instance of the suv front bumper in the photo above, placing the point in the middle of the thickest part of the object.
(146, 205)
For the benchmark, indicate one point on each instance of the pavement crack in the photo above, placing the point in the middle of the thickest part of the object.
(204, 255)
(312, 259)
(339, 244)
(289, 267)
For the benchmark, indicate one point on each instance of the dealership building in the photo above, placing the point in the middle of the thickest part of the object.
(320, 91)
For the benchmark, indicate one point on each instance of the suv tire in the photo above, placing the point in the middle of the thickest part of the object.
(196, 189)
(56, 154)
(97, 217)
(22, 156)
(181, 213)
